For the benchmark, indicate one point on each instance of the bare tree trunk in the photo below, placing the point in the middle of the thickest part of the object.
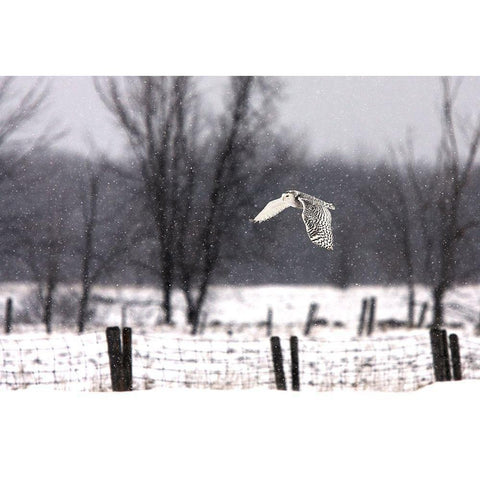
(48, 305)
(454, 172)
(226, 166)
(438, 294)
(411, 305)
(95, 263)
(90, 220)
(167, 282)
(193, 314)
(83, 307)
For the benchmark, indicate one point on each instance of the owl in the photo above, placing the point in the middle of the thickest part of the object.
(315, 213)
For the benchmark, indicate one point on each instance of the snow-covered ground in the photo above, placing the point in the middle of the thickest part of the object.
(185, 434)
(235, 306)
(233, 351)
(258, 433)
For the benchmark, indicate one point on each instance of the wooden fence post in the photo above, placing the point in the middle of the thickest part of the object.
(423, 311)
(455, 355)
(8, 316)
(115, 357)
(371, 316)
(295, 364)
(120, 358)
(310, 318)
(269, 322)
(436, 355)
(446, 356)
(127, 358)
(361, 321)
(441, 364)
(277, 358)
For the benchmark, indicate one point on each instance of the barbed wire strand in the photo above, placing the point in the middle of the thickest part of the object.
(80, 362)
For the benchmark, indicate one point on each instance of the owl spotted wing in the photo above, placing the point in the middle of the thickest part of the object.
(318, 222)
(271, 209)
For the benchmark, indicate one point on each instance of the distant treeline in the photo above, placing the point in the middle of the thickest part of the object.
(45, 206)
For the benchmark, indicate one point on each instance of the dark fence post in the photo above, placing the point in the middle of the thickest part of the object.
(446, 357)
(127, 358)
(295, 364)
(269, 322)
(115, 357)
(120, 357)
(8, 316)
(371, 316)
(435, 335)
(361, 321)
(423, 311)
(310, 318)
(455, 355)
(278, 363)
(441, 364)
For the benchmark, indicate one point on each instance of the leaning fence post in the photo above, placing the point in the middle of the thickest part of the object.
(8, 316)
(115, 357)
(371, 316)
(127, 358)
(310, 318)
(423, 311)
(278, 363)
(455, 355)
(295, 364)
(361, 321)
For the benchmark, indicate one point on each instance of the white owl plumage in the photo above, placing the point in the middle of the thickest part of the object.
(316, 215)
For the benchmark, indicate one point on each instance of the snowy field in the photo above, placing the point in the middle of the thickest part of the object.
(243, 309)
(186, 434)
(233, 351)
(206, 433)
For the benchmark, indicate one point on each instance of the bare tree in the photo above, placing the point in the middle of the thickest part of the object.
(191, 170)
(400, 205)
(423, 210)
(43, 247)
(230, 186)
(159, 115)
(454, 166)
(95, 261)
(20, 106)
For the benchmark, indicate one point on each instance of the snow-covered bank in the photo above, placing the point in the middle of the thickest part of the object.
(202, 434)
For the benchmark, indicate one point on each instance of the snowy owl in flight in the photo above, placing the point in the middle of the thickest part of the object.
(316, 215)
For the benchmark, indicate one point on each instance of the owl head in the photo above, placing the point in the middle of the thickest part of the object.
(291, 198)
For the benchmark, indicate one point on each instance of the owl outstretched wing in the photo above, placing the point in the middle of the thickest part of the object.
(271, 209)
(318, 222)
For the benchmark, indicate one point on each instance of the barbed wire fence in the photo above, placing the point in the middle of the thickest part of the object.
(81, 362)
(65, 362)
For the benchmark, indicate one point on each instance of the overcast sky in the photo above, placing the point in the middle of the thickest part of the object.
(344, 114)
